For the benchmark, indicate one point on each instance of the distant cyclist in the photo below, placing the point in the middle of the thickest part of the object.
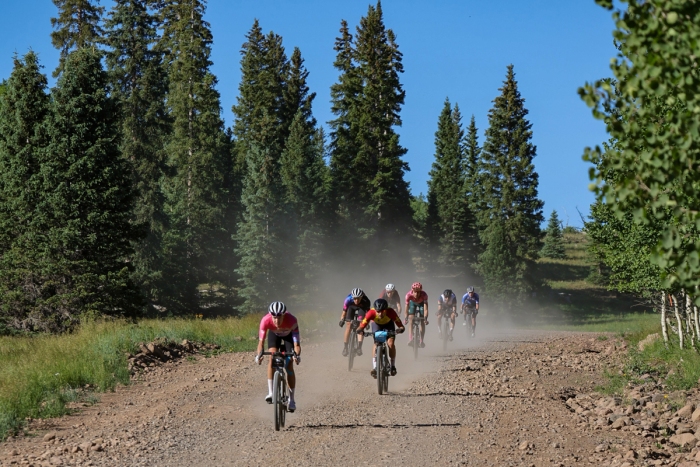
(383, 318)
(416, 305)
(355, 304)
(470, 306)
(447, 307)
(283, 331)
(391, 295)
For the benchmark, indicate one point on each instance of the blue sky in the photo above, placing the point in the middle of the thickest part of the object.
(451, 48)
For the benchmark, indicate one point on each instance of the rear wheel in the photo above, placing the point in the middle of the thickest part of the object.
(277, 401)
(380, 369)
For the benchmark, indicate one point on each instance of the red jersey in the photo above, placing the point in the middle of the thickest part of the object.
(389, 315)
(421, 298)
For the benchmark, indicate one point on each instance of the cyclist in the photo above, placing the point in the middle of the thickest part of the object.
(356, 303)
(416, 304)
(283, 331)
(383, 318)
(470, 305)
(447, 307)
(391, 295)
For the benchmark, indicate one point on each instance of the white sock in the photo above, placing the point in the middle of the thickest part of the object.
(291, 394)
(269, 386)
(374, 363)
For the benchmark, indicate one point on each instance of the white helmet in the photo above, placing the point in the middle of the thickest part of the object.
(390, 287)
(277, 309)
(357, 293)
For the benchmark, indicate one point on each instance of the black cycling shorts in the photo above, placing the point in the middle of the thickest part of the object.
(445, 311)
(471, 311)
(275, 342)
(354, 310)
(390, 326)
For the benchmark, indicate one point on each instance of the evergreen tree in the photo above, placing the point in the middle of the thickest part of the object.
(554, 239)
(197, 189)
(447, 180)
(24, 107)
(370, 193)
(262, 117)
(75, 252)
(472, 190)
(508, 182)
(387, 214)
(304, 176)
(345, 197)
(77, 26)
(261, 235)
(504, 274)
(139, 83)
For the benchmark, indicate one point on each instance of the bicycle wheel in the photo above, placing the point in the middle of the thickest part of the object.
(351, 350)
(380, 369)
(285, 401)
(277, 400)
(445, 334)
(416, 340)
(387, 369)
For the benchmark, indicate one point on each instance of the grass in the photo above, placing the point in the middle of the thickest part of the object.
(40, 375)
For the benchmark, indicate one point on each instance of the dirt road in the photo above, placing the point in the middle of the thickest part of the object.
(496, 400)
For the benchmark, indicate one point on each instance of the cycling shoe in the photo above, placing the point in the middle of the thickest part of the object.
(422, 345)
(291, 407)
(358, 352)
(268, 398)
(393, 371)
(345, 351)
(373, 373)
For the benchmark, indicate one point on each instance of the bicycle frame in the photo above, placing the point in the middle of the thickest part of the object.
(352, 345)
(383, 363)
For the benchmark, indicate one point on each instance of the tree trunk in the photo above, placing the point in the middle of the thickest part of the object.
(679, 321)
(664, 330)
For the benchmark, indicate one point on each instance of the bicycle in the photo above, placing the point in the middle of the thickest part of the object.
(415, 332)
(383, 363)
(468, 313)
(352, 345)
(280, 399)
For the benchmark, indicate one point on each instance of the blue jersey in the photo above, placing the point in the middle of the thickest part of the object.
(472, 301)
(364, 303)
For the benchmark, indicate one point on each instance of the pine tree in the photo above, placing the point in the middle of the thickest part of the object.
(261, 101)
(554, 239)
(139, 83)
(76, 260)
(472, 190)
(304, 176)
(196, 191)
(77, 26)
(504, 274)
(508, 181)
(24, 107)
(387, 214)
(447, 180)
(345, 94)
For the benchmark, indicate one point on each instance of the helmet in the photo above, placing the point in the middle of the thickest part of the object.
(277, 308)
(447, 293)
(389, 287)
(356, 293)
(416, 285)
(470, 289)
(381, 304)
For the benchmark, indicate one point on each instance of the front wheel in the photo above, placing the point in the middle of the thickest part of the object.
(351, 351)
(277, 404)
(445, 334)
(380, 369)
(385, 373)
(416, 340)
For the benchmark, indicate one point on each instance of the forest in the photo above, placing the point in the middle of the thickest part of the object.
(123, 193)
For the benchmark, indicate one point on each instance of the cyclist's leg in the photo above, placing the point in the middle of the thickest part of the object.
(360, 337)
(439, 326)
(273, 343)
(453, 315)
(410, 325)
(474, 313)
(390, 326)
